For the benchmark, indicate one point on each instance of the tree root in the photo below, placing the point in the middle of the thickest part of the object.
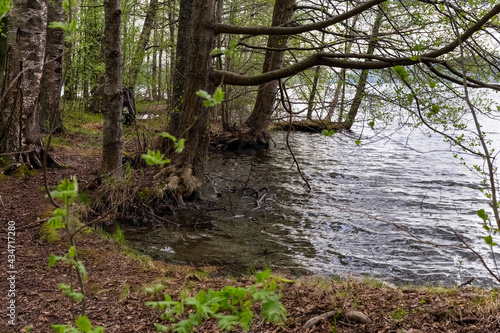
(240, 139)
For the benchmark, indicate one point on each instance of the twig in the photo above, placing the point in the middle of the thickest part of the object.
(289, 110)
(477, 255)
(466, 283)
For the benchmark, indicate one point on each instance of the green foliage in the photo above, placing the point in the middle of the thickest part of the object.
(488, 226)
(155, 158)
(327, 132)
(83, 325)
(232, 306)
(210, 100)
(398, 314)
(401, 71)
(5, 6)
(69, 292)
(178, 144)
(69, 28)
(48, 233)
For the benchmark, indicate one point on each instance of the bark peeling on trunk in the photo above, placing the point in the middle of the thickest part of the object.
(20, 134)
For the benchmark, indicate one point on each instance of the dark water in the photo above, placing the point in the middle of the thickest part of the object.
(344, 225)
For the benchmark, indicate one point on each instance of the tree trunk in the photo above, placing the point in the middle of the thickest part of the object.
(360, 89)
(169, 79)
(4, 24)
(140, 50)
(52, 78)
(258, 121)
(154, 87)
(310, 103)
(19, 119)
(181, 60)
(341, 83)
(112, 107)
(185, 175)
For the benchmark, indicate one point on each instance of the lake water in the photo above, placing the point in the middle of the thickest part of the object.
(346, 224)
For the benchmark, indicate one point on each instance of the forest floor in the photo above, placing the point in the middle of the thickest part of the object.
(117, 275)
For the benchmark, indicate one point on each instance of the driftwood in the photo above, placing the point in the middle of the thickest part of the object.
(314, 321)
(353, 316)
(313, 126)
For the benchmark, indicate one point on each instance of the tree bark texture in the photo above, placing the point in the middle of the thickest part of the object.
(186, 172)
(19, 119)
(52, 78)
(258, 121)
(4, 24)
(112, 106)
(143, 42)
(179, 76)
(360, 89)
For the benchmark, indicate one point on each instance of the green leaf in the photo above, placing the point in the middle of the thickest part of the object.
(83, 323)
(52, 260)
(434, 110)
(161, 328)
(401, 71)
(56, 222)
(372, 123)
(168, 136)
(219, 95)
(414, 58)
(482, 214)
(58, 25)
(203, 94)
(327, 132)
(418, 47)
(64, 329)
(226, 323)
(246, 317)
(489, 241)
(155, 158)
(432, 84)
(260, 277)
(154, 289)
(71, 252)
(410, 98)
(273, 311)
(179, 145)
(357, 142)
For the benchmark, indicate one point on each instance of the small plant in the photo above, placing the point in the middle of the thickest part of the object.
(398, 314)
(232, 306)
(67, 191)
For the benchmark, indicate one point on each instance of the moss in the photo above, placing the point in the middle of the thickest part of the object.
(124, 293)
(145, 195)
(24, 171)
(47, 234)
(3, 177)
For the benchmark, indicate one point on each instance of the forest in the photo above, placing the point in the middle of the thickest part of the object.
(249, 165)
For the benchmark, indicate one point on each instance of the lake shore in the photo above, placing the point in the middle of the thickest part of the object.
(117, 277)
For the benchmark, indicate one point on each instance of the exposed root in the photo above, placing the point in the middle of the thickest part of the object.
(180, 183)
(312, 126)
(241, 139)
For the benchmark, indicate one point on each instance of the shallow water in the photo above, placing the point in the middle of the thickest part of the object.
(344, 225)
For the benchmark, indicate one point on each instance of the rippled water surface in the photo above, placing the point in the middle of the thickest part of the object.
(346, 223)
